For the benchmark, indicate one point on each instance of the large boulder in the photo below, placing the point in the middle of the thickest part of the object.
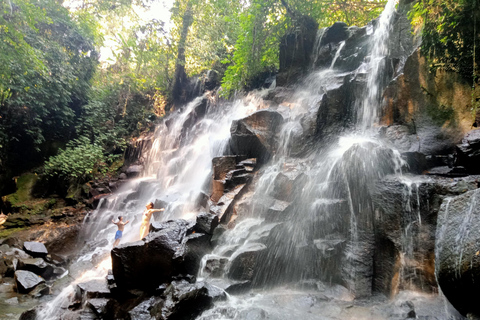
(457, 258)
(172, 249)
(27, 281)
(254, 136)
(405, 223)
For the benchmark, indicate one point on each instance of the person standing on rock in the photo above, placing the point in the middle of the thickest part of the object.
(121, 226)
(147, 214)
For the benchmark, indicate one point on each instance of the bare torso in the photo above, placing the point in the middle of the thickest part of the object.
(121, 225)
(147, 215)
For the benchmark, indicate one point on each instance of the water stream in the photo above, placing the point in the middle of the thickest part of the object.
(313, 235)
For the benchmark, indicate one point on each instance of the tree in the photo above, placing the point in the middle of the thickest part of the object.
(47, 84)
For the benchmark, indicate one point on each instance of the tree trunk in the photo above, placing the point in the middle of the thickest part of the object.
(179, 92)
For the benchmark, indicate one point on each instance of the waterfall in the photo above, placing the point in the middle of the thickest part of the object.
(370, 103)
(177, 170)
(309, 221)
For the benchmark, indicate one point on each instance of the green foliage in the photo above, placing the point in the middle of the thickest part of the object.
(48, 59)
(78, 162)
(256, 46)
(264, 23)
(450, 33)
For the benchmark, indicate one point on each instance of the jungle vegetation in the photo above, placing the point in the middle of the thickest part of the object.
(70, 111)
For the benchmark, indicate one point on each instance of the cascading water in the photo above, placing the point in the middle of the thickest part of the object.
(321, 231)
(177, 170)
(309, 222)
(371, 101)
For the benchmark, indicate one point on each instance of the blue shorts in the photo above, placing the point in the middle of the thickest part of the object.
(118, 235)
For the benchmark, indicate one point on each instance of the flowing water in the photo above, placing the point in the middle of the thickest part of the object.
(313, 236)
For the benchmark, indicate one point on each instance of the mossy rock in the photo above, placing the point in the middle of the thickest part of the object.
(25, 184)
(5, 233)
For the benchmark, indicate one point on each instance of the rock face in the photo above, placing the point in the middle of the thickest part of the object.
(296, 49)
(254, 136)
(171, 249)
(27, 281)
(457, 258)
(231, 177)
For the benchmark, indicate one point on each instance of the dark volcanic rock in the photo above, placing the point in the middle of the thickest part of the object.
(184, 300)
(134, 171)
(27, 281)
(170, 250)
(206, 223)
(29, 315)
(98, 305)
(254, 136)
(296, 47)
(37, 266)
(35, 249)
(468, 153)
(457, 259)
(97, 288)
(244, 263)
(335, 110)
(144, 310)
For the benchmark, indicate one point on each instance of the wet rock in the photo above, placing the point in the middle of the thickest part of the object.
(335, 110)
(184, 300)
(445, 171)
(296, 49)
(41, 290)
(206, 223)
(197, 113)
(254, 136)
(223, 208)
(457, 259)
(98, 305)
(37, 266)
(27, 281)
(171, 249)
(244, 261)
(284, 185)
(96, 288)
(134, 171)
(336, 33)
(239, 287)
(468, 152)
(29, 315)
(405, 219)
(35, 249)
(6, 266)
(416, 162)
(144, 309)
(216, 266)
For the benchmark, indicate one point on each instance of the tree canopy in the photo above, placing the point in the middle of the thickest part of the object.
(57, 89)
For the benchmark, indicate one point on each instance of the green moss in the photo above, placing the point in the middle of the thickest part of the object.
(442, 115)
(25, 185)
(4, 233)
